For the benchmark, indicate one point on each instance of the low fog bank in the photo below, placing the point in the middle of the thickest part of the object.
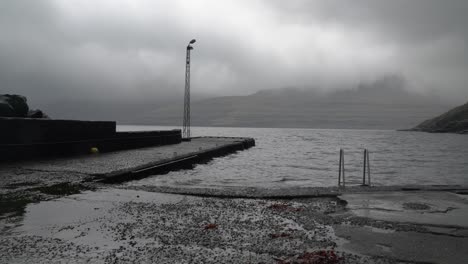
(381, 104)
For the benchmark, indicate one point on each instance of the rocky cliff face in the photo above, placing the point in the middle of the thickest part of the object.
(453, 121)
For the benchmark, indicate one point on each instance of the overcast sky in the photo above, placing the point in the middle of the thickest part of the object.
(135, 49)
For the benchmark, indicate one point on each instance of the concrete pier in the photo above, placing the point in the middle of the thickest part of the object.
(119, 165)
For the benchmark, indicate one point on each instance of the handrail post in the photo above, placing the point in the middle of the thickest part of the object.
(339, 169)
(368, 168)
(364, 168)
(342, 166)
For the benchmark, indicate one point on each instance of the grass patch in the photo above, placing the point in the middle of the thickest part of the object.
(61, 189)
(16, 205)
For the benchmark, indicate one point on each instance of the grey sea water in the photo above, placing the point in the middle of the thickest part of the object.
(309, 157)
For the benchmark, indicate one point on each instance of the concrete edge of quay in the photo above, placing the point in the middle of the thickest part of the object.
(177, 162)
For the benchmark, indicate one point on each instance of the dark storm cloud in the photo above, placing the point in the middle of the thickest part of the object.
(419, 20)
(134, 50)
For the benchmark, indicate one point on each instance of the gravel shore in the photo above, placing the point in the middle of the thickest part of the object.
(117, 225)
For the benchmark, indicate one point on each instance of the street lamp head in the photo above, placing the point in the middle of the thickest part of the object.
(192, 41)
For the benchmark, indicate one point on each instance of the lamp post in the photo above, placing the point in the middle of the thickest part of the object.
(186, 125)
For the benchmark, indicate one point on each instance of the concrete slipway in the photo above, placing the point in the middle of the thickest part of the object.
(119, 165)
(75, 210)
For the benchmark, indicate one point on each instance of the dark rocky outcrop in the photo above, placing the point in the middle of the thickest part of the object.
(453, 121)
(37, 114)
(14, 105)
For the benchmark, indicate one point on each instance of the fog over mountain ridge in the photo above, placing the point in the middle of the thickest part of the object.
(383, 104)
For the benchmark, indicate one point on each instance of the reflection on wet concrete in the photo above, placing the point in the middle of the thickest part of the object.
(13, 202)
(408, 246)
(433, 226)
(432, 208)
(78, 218)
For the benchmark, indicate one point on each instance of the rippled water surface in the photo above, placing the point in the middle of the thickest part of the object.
(309, 157)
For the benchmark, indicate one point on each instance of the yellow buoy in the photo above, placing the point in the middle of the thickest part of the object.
(94, 150)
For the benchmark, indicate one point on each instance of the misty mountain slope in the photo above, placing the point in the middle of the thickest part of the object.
(375, 106)
(383, 104)
(453, 121)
